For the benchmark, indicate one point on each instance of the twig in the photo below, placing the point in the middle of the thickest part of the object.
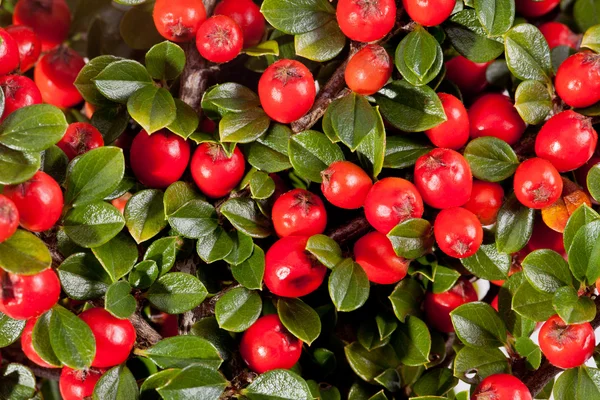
(146, 335)
(354, 229)
(15, 354)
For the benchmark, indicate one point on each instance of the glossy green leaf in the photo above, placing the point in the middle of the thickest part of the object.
(250, 272)
(444, 279)
(321, 44)
(177, 194)
(584, 253)
(17, 167)
(93, 224)
(270, 152)
(586, 14)
(402, 151)
(370, 364)
(571, 308)
(412, 342)
(469, 37)
(496, 16)
(215, 246)
(514, 226)
(477, 324)
(244, 216)
(488, 263)
(300, 319)
(407, 298)
(262, 185)
(491, 159)
(54, 163)
(119, 80)
(17, 382)
(591, 39)
(546, 270)
(482, 361)
(532, 304)
(268, 47)
(119, 301)
(182, 351)
(412, 238)
(527, 53)
(311, 152)
(176, 293)
(528, 349)
(582, 216)
(593, 181)
(194, 219)
(435, 382)
(145, 215)
(117, 256)
(195, 382)
(163, 251)
(297, 16)
(82, 277)
(117, 383)
(24, 253)
(228, 97)
(348, 286)
(325, 249)
(111, 121)
(186, 120)
(238, 309)
(144, 274)
(33, 128)
(371, 151)
(152, 107)
(85, 80)
(243, 127)
(243, 245)
(533, 101)
(350, 118)
(41, 342)
(577, 384)
(419, 57)
(165, 61)
(71, 339)
(10, 330)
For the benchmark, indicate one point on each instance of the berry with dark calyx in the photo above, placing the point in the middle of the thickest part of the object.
(567, 140)
(577, 80)
(368, 70)
(454, 132)
(247, 15)
(27, 345)
(55, 75)
(486, 200)
(39, 201)
(535, 8)
(443, 177)
(9, 218)
(429, 12)
(458, 232)
(566, 346)
(495, 115)
(178, 20)
(28, 296)
(439, 306)
(299, 213)
(159, 159)
(345, 185)
(366, 20)
(19, 91)
(268, 345)
(558, 34)
(114, 337)
(78, 385)
(9, 53)
(80, 138)
(30, 46)
(375, 254)
(50, 19)
(500, 387)
(469, 76)
(219, 39)
(214, 172)
(286, 90)
(537, 183)
(392, 201)
(290, 270)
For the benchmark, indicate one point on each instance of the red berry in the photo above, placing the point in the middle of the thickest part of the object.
(268, 345)
(454, 132)
(429, 12)
(214, 173)
(80, 138)
(9, 53)
(486, 200)
(469, 76)
(27, 345)
(566, 346)
(501, 386)
(114, 337)
(443, 177)
(458, 232)
(28, 296)
(494, 302)
(535, 8)
(543, 237)
(299, 213)
(159, 159)
(179, 20)
(567, 140)
(55, 75)
(39, 201)
(392, 201)
(286, 90)
(577, 80)
(247, 15)
(78, 385)
(19, 91)
(30, 46)
(375, 254)
(495, 115)
(120, 202)
(220, 39)
(345, 185)
(368, 70)
(290, 271)
(9, 218)
(366, 20)
(537, 183)
(558, 34)
(439, 306)
(50, 19)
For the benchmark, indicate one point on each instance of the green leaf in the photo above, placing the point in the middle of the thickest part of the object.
(72, 339)
(527, 53)
(402, 151)
(82, 277)
(348, 286)
(444, 279)
(300, 319)
(412, 238)
(145, 215)
(496, 16)
(477, 324)
(85, 80)
(266, 48)
(532, 304)
(243, 127)
(533, 102)
(117, 256)
(410, 108)
(491, 159)
(194, 382)
(572, 308)
(93, 224)
(311, 152)
(528, 349)
(412, 342)
(157, 381)
(119, 301)
(94, 175)
(488, 263)
(176, 293)
(177, 194)
(350, 118)
(435, 382)
(407, 298)
(17, 382)
(270, 152)
(163, 251)
(153, 108)
(481, 361)
(546, 270)
(17, 167)
(244, 216)
(584, 253)
(243, 245)
(228, 97)
(325, 249)
(117, 383)
(186, 120)
(250, 272)
(262, 185)
(119, 80)
(10, 330)
(321, 44)
(514, 226)
(593, 181)
(194, 219)
(278, 384)
(371, 151)
(370, 364)
(40, 340)
(419, 57)
(111, 121)
(165, 61)
(238, 309)
(24, 253)
(591, 39)
(215, 246)
(182, 351)
(577, 384)
(297, 16)
(33, 128)
(582, 216)
(469, 37)
(54, 163)
(144, 274)
(586, 14)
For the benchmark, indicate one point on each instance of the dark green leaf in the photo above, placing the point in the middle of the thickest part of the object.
(40, 340)
(582, 216)
(412, 238)
(137, 27)
(350, 119)
(71, 339)
(181, 351)
(527, 53)
(300, 319)
(444, 279)
(269, 47)
(176, 293)
(528, 349)
(270, 152)
(165, 61)
(111, 122)
(312, 152)
(412, 342)
(243, 245)
(121, 79)
(195, 382)
(325, 249)
(243, 127)
(572, 308)
(238, 309)
(496, 16)
(116, 384)
(533, 102)
(24, 253)
(117, 256)
(119, 301)
(177, 194)
(546, 270)
(586, 14)
(228, 97)
(244, 216)
(163, 252)
(262, 185)
(17, 167)
(348, 286)
(17, 382)
(578, 384)
(85, 80)
(215, 246)
(469, 38)
(402, 151)
(532, 304)
(145, 215)
(54, 163)
(483, 362)
(593, 181)
(584, 253)
(514, 226)
(33, 128)
(250, 272)
(194, 219)
(371, 151)
(488, 263)
(186, 120)
(370, 364)
(477, 324)
(435, 382)
(93, 224)
(144, 274)
(297, 16)
(152, 107)
(10, 330)
(82, 277)
(491, 159)
(321, 44)
(419, 57)
(407, 298)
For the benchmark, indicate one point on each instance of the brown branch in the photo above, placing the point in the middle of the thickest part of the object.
(354, 229)
(146, 335)
(16, 355)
